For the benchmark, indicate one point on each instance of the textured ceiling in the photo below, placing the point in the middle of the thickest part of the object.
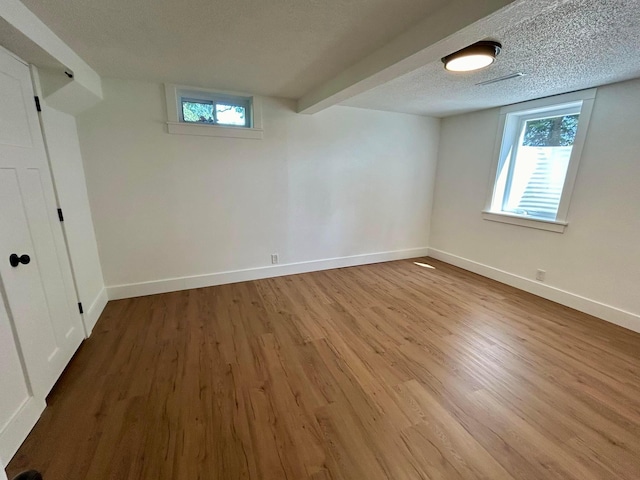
(579, 44)
(278, 47)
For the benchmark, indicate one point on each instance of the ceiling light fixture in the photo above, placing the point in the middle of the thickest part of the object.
(474, 57)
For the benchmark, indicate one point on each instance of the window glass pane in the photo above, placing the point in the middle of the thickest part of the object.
(551, 132)
(540, 166)
(197, 112)
(231, 114)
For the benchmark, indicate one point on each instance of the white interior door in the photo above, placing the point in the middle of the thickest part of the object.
(19, 409)
(34, 267)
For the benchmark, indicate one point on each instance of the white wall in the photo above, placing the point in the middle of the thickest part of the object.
(598, 256)
(341, 183)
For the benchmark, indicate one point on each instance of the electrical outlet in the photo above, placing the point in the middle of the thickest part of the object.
(540, 275)
(274, 258)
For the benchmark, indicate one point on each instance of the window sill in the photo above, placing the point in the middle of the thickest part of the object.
(181, 128)
(548, 225)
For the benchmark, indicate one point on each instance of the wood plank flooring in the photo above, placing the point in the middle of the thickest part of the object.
(387, 371)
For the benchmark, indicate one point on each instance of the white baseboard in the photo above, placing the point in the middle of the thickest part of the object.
(116, 292)
(605, 312)
(18, 427)
(92, 315)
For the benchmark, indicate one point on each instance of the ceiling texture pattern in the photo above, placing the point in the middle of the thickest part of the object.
(287, 48)
(577, 45)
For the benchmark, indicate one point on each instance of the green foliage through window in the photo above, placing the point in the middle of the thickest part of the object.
(551, 131)
(197, 112)
(214, 113)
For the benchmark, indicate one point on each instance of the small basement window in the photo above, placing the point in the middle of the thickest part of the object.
(230, 111)
(194, 111)
(538, 161)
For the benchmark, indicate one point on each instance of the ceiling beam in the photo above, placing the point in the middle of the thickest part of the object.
(38, 41)
(444, 32)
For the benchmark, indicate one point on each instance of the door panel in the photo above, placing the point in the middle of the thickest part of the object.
(14, 124)
(42, 228)
(23, 286)
(15, 389)
(39, 297)
(19, 410)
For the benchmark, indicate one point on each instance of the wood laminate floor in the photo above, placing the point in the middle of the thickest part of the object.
(387, 371)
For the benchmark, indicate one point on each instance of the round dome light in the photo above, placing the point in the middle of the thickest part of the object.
(474, 57)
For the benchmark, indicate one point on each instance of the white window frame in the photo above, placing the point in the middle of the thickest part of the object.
(507, 138)
(176, 124)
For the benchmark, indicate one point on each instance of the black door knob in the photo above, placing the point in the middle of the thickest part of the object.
(30, 475)
(16, 260)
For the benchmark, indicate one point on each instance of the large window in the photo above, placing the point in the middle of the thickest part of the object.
(194, 111)
(538, 160)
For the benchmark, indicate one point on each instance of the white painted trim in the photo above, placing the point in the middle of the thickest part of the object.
(576, 153)
(174, 125)
(545, 102)
(506, 136)
(182, 128)
(549, 225)
(606, 312)
(13, 55)
(116, 292)
(18, 427)
(3, 473)
(95, 310)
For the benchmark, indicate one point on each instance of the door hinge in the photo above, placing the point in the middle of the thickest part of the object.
(37, 104)
(60, 216)
(80, 307)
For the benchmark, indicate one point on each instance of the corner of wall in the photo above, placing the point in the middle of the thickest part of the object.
(603, 311)
(90, 318)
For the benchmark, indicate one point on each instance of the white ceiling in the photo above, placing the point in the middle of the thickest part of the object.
(306, 48)
(279, 47)
(577, 45)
